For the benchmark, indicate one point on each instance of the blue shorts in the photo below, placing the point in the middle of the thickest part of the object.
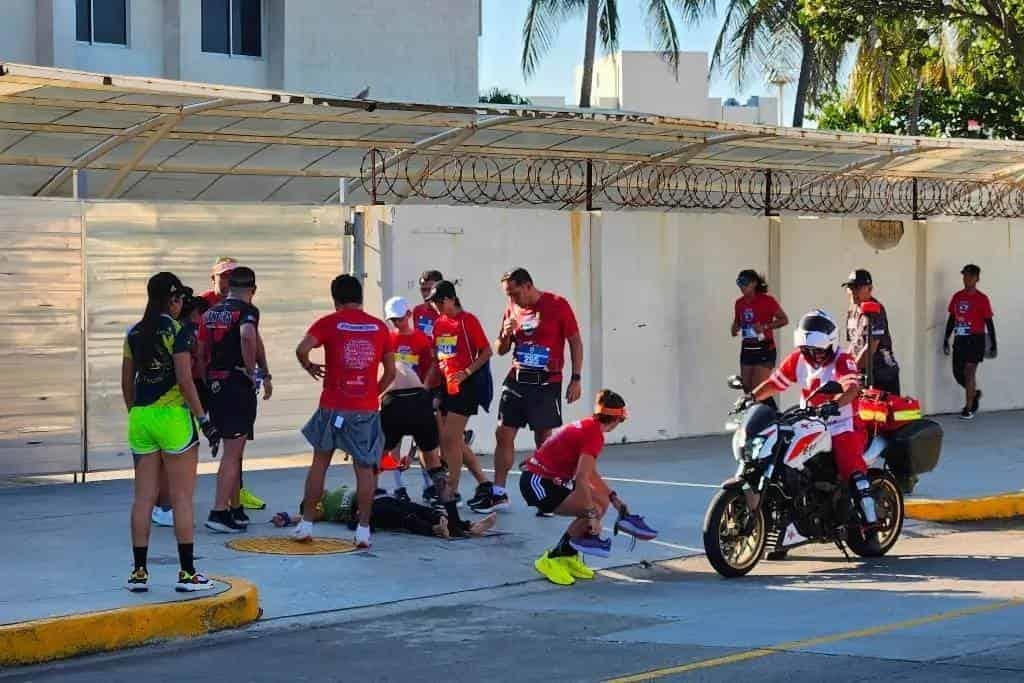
(357, 433)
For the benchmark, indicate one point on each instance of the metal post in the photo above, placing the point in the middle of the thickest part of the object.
(84, 326)
(590, 185)
(359, 245)
(768, 193)
(915, 209)
(373, 176)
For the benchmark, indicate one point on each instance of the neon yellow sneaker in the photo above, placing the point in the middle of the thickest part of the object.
(250, 501)
(575, 566)
(553, 570)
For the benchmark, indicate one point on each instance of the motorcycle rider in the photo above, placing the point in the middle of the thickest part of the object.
(816, 361)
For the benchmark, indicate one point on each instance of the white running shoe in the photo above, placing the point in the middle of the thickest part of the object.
(163, 517)
(303, 532)
(363, 541)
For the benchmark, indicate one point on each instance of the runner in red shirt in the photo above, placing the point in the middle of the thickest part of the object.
(424, 315)
(536, 327)
(219, 275)
(356, 346)
(463, 354)
(561, 477)
(756, 316)
(970, 314)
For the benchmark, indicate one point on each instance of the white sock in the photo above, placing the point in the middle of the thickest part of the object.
(498, 490)
(398, 479)
(362, 533)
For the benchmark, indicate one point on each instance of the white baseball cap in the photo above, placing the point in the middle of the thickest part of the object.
(396, 308)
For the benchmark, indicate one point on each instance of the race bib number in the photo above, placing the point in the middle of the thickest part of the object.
(407, 357)
(749, 332)
(532, 356)
(446, 346)
(962, 329)
(426, 326)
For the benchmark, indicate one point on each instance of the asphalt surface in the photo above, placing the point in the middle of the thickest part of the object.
(947, 604)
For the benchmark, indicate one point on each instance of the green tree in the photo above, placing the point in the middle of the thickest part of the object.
(543, 18)
(498, 96)
(773, 36)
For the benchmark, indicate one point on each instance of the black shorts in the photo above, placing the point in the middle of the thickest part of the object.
(761, 357)
(233, 406)
(466, 402)
(409, 412)
(542, 493)
(968, 348)
(536, 405)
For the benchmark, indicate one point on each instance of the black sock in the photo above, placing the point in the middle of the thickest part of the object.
(563, 549)
(140, 552)
(186, 558)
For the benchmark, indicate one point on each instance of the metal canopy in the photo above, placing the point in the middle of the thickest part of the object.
(151, 139)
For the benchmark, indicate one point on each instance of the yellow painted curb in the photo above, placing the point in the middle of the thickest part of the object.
(967, 509)
(43, 640)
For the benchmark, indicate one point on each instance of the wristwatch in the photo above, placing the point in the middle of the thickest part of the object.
(575, 377)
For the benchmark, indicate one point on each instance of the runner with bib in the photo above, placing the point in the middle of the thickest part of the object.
(970, 315)
(535, 327)
(756, 317)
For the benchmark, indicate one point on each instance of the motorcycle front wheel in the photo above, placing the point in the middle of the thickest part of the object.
(734, 536)
(889, 506)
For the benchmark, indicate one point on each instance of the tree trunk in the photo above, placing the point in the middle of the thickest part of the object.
(915, 107)
(804, 80)
(588, 54)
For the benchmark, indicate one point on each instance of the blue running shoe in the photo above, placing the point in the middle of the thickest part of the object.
(592, 545)
(635, 526)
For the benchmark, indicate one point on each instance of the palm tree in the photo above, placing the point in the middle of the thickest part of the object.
(772, 35)
(544, 16)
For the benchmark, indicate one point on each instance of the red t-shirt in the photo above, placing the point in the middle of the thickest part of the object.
(558, 457)
(415, 350)
(970, 310)
(761, 309)
(211, 297)
(457, 342)
(423, 317)
(354, 343)
(539, 341)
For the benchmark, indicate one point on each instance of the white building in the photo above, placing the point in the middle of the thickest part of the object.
(425, 51)
(641, 81)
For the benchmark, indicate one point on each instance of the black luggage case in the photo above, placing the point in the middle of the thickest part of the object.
(914, 449)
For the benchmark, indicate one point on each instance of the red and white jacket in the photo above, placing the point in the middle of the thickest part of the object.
(843, 369)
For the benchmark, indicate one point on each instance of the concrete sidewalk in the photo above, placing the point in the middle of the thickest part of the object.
(70, 551)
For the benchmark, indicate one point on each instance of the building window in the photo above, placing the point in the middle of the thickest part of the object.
(233, 27)
(102, 21)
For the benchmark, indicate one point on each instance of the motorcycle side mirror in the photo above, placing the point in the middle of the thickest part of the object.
(830, 389)
(734, 382)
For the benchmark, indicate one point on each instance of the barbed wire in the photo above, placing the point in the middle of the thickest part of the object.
(484, 179)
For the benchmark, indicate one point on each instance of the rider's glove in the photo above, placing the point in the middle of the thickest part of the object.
(211, 433)
(830, 409)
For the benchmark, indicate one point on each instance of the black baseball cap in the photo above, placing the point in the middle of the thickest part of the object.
(441, 291)
(431, 276)
(858, 278)
(242, 277)
(970, 269)
(164, 284)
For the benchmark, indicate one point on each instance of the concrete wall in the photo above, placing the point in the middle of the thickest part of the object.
(424, 51)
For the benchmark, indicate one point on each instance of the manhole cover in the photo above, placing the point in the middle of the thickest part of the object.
(282, 545)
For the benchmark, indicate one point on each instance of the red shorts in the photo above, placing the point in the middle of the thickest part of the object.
(848, 451)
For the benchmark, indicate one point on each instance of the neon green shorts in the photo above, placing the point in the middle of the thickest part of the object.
(170, 429)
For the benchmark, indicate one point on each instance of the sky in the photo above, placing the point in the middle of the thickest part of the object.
(501, 48)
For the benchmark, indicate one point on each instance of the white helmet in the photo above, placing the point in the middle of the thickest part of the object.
(817, 330)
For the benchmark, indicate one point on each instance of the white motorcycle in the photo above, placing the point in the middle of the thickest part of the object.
(786, 492)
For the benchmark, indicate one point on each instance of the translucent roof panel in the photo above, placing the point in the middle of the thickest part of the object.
(136, 137)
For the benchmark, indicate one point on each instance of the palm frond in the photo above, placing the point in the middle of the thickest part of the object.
(608, 26)
(661, 28)
(543, 17)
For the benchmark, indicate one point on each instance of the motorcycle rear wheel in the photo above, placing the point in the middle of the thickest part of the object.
(734, 536)
(889, 505)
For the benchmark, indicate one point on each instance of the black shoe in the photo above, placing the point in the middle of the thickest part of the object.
(966, 414)
(977, 401)
(776, 555)
(483, 491)
(242, 519)
(430, 495)
(438, 505)
(223, 522)
(401, 495)
(491, 503)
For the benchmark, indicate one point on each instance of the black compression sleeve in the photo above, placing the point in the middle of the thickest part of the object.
(991, 331)
(949, 326)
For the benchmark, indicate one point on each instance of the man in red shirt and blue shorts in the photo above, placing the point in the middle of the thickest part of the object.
(356, 345)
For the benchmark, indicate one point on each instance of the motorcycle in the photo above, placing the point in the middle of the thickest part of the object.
(786, 492)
